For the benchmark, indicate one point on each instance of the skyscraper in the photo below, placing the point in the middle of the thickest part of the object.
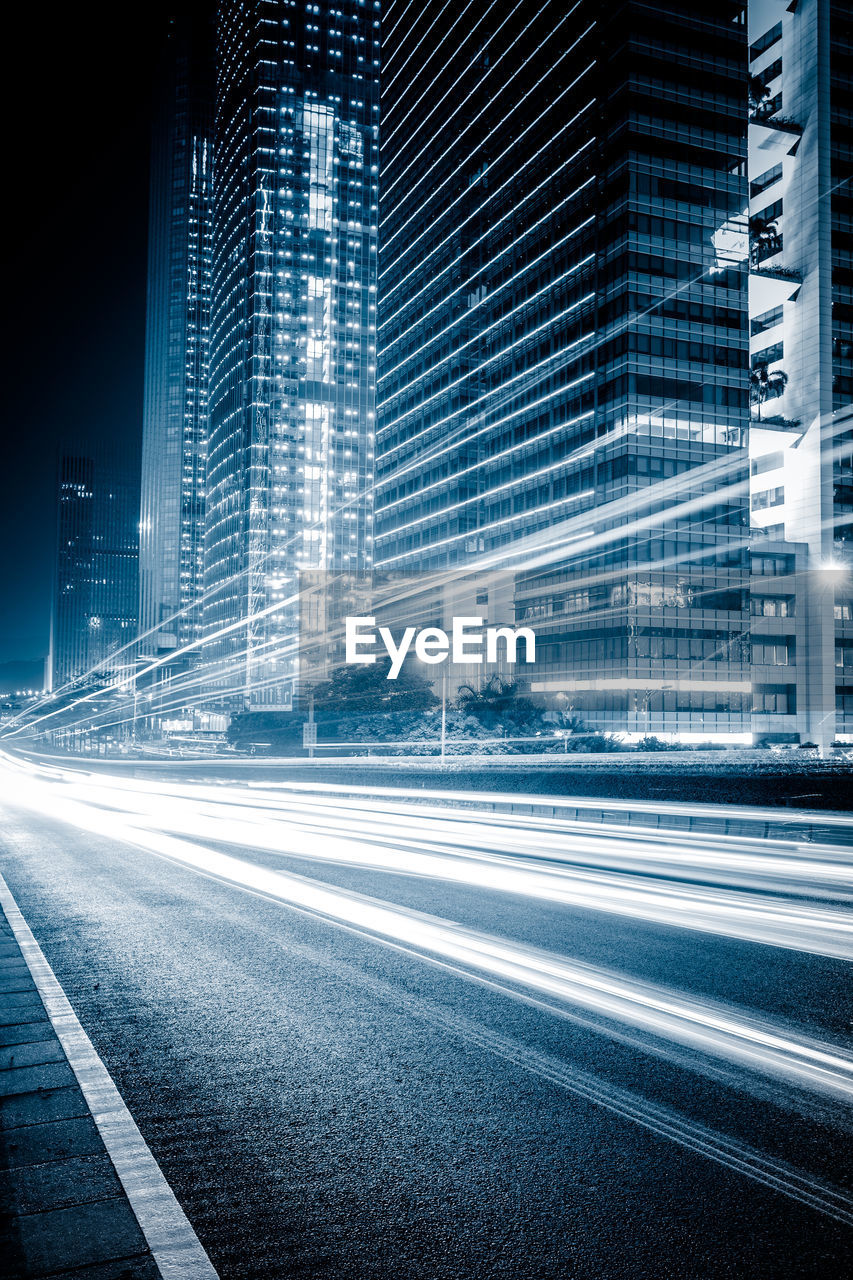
(801, 309)
(293, 324)
(171, 543)
(95, 598)
(563, 339)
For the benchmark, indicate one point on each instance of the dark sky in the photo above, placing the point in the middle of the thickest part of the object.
(80, 79)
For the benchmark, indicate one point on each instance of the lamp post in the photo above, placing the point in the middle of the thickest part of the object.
(443, 712)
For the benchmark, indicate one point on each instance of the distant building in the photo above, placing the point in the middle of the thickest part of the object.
(177, 351)
(96, 578)
(801, 353)
(293, 326)
(563, 340)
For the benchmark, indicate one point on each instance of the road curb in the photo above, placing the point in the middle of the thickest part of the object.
(82, 1188)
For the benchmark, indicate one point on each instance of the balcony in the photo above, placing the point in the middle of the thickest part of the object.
(792, 275)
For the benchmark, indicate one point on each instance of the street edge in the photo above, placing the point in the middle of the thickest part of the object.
(176, 1249)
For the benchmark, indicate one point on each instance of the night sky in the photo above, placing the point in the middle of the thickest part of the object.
(78, 123)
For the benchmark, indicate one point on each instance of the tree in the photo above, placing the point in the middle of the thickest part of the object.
(365, 690)
(575, 735)
(421, 734)
(498, 707)
(764, 385)
(760, 102)
(492, 704)
(278, 732)
(764, 239)
(567, 721)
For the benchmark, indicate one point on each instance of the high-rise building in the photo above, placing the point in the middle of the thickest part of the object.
(95, 599)
(563, 339)
(801, 324)
(171, 539)
(293, 324)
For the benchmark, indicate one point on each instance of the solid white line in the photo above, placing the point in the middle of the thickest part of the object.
(176, 1248)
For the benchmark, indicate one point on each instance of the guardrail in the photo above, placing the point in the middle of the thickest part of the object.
(730, 820)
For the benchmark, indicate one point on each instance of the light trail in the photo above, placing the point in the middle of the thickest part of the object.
(569, 538)
(143, 814)
(739, 891)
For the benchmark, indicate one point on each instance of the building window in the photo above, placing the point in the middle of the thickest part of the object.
(774, 699)
(844, 654)
(767, 320)
(764, 42)
(772, 606)
(766, 498)
(772, 565)
(765, 180)
(772, 654)
(768, 355)
(770, 462)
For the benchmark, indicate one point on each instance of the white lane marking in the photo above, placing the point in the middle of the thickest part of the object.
(177, 1251)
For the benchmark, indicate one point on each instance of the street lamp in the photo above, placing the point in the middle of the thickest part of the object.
(443, 711)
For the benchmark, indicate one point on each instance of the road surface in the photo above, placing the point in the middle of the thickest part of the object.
(369, 1038)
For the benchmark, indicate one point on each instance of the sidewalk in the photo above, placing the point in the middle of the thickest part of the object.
(64, 1211)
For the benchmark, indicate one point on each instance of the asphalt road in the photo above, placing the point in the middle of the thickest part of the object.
(367, 1042)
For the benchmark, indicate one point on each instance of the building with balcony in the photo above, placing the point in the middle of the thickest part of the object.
(801, 351)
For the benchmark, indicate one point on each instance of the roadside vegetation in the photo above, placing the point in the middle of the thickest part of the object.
(361, 707)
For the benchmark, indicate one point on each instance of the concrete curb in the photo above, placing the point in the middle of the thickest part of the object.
(82, 1195)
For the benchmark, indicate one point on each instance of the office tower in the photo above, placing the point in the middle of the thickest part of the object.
(95, 599)
(801, 321)
(563, 339)
(171, 541)
(293, 321)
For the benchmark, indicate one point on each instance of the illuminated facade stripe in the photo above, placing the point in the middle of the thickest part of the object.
(445, 30)
(486, 494)
(493, 262)
(496, 324)
(506, 378)
(525, 444)
(398, 231)
(547, 509)
(449, 260)
(523, 382)
(429, 153)
(506, 351)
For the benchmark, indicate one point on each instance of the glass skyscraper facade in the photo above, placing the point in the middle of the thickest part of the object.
(174, 457)
(293, 325)
(563, 339)
(96, 575)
